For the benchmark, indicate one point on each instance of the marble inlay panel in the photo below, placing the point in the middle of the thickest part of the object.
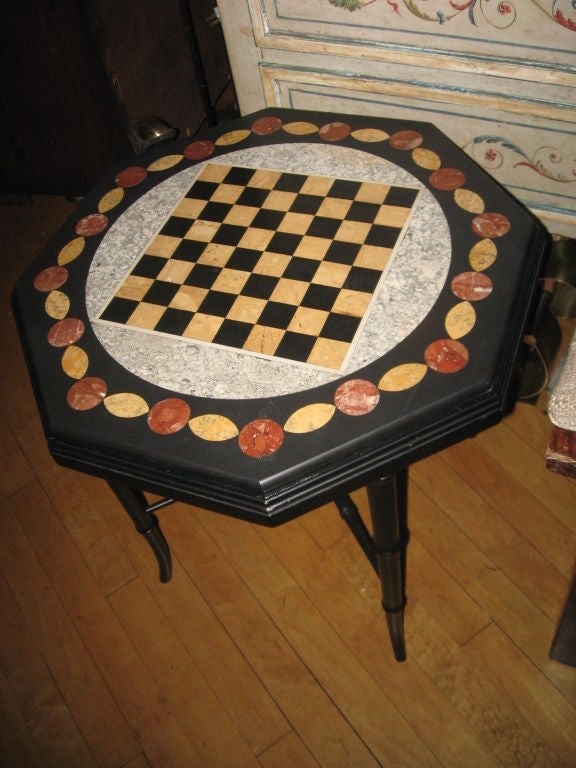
(415, 276)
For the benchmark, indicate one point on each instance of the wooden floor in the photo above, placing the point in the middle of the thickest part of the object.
(268, 648)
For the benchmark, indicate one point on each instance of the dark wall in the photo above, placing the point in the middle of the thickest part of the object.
(75, 73)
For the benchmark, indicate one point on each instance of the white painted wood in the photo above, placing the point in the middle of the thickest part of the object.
(498, 78)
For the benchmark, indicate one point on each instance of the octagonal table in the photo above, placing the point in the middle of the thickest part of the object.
(264, 318)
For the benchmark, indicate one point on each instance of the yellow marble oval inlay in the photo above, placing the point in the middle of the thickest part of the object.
(370, 135)
(163, 163)
(71, 251)
(74, 362)
(300, 128)
(213, 427)
(310, 417)
(426, 158)
(460, 320)
(402, 377)
(111, 199)
(469, 201)
(126, 405)
(57, 305)
(483, 255)
(232, 137)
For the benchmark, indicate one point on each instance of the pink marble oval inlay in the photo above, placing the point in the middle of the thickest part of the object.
(132, 176)
(266, 125)
(50, 279)
(334, 131)
(447, 179)
(199, 150)
(490, 225)
(356, 397)
(169, 416)
(92, 224)
(406, 139)
(65, 332)
(86, 393)
(446, 356)
(261, 437)
(471, 286)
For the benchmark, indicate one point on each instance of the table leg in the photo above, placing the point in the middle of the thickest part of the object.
(135, 503)
(388, 508)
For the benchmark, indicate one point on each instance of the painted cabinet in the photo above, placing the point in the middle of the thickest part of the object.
(499, 78)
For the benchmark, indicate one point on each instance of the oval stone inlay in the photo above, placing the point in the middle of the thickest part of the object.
(483, 255)
(447, 179)
(426, 158)
(86, 393)
(92, 224)
(402, 377)
(110, 200)
(126, 405)
(301, 128)
(491, 225)
(199, 150)
(266, 125)
(471, 286)
(232, 137)
(164, 163)
(460, 320)
(370, 135)
(406, 139)
(356, 397)
(446, 356)
(131, 176)
(50, 278)
(71, 250)
(213, 427)
(74, 362)
(261, 437)
(334, 131)
(469, 201)
(65, 332)
(57, 305)
(310, 417)
(169, 416)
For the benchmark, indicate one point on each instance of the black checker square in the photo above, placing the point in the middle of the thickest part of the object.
(189, 250)
(149, 266)
(275, 248)
(233, 333)
(161, 292)
(119, 310)
(202, 276)
(176, 226)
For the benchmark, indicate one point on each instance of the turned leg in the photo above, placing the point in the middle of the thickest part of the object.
(388, 508)
(134, 502)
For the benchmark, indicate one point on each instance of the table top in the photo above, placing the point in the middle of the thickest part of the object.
(276, 312)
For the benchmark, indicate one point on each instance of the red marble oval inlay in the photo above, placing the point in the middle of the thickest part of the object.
(198, 150)
(169, 416)
(50, 279)
(131, 176)
(490, 225)
(261, 437)
(65, 332)
(446, 356)
(86, 393)
(334, 131)
(266, 125)
(447, 179)
(406, 139)
(356, 397)
(471, 286)
(92, 224)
